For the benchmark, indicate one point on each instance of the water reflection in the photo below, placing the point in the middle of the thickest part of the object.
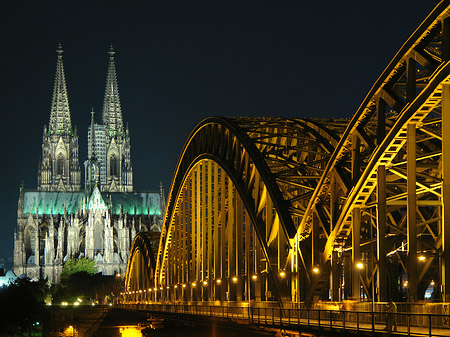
(131, 331)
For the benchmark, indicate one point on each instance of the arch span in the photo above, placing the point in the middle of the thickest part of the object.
(286, 209)
(141, 266)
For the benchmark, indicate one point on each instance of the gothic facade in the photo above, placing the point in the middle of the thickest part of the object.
(61, 219)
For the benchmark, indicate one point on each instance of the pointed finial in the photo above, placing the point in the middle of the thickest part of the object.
(92, 113)
(111, 51)
(59, 50)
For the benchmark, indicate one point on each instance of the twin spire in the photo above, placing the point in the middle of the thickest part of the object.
(109, 160)
(60, 121)
(112, 112)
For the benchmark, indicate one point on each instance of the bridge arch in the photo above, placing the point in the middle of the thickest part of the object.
(234, 189)
(291, 207)
(140, 275)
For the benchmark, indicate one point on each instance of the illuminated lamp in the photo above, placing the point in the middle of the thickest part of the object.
(422, 258)
(183, 285)
(316, 270)
(235, 279)
(194, 284)
(282, 274)
(205, 283)
(254, 277)
(219, 281)
(360, 265)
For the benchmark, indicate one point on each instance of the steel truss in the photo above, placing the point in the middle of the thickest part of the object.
(268, 208)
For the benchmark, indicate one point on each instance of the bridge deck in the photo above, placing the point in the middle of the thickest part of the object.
(339, 321)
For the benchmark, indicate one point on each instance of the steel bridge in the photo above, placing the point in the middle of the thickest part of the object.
(296, 212)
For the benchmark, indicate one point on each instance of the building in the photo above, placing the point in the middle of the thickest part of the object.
(62, 218)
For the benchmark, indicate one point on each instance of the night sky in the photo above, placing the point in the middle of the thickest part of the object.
(179, 63)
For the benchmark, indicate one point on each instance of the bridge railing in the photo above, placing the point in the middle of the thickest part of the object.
(409, 324)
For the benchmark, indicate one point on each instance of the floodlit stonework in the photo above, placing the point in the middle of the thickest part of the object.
(61, 219)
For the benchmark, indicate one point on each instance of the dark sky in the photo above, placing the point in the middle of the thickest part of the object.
(178, 63)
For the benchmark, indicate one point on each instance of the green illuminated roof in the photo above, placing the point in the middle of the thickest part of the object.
(134, 203)
(54, 202)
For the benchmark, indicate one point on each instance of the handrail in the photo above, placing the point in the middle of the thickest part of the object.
(410, 324)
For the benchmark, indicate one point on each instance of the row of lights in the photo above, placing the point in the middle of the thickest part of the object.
(234, 279)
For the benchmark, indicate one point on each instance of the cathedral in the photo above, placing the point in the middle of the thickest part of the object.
(64, 219)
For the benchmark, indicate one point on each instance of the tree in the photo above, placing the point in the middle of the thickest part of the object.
(79, 265)
(22, 305)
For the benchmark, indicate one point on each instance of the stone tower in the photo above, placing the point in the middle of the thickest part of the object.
(117, 164)
(59, 169)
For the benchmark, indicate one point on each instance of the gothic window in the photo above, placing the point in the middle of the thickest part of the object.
(113, 165)
(60, 164)
(50, 162)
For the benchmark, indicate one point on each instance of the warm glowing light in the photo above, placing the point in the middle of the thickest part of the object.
(76, 304)
(149, 289)
(194, 284)
(422, 258)
(145, 290)
(219, 281)
(183, 285)
(167, 287)
(161, 288)
(140, 291)
(235, 279)
(254, 277)
(130, 331)
(175, 286)
(118, 275)
(205, 283)
(282, 274)
(360, 265)
(316, 270)
(69, 331)
(155, 289)
(405, 284)
(432, 283)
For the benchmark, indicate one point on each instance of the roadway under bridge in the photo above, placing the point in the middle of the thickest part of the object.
(307, 213)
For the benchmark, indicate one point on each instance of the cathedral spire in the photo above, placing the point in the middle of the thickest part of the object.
(92, 138)
(112, 112)
(92, 165)
(60, 123)
(59, 169)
